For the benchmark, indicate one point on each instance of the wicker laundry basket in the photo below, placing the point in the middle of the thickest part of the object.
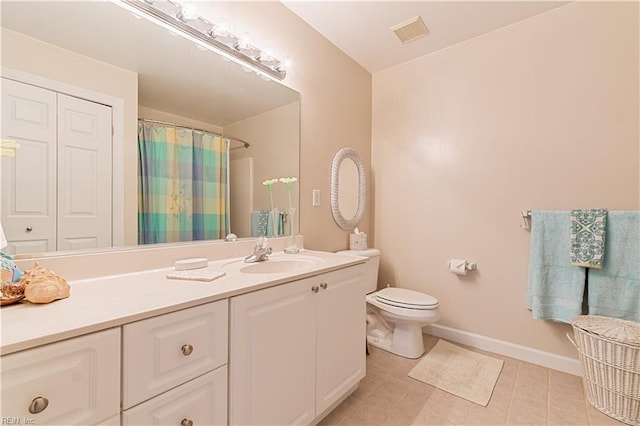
(609, 352)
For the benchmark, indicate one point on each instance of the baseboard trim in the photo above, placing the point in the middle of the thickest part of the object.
(523, 353)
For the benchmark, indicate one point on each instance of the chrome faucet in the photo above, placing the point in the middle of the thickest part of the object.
(261, 252)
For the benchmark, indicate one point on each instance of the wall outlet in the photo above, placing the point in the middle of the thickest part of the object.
(316, 198)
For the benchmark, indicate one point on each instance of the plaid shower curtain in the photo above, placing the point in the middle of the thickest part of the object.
(182, 185)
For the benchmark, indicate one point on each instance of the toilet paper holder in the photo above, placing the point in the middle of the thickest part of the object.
(461, 266)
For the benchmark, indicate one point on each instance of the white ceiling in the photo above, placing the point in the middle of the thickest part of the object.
(361, 28)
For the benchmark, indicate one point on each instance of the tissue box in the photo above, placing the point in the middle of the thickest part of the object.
(358, 241)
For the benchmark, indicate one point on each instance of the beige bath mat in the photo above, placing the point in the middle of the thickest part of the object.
(463, 373)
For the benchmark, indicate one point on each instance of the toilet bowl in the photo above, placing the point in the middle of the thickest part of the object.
(395, 316)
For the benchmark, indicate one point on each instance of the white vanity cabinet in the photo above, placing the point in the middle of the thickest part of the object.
(296, 349)
(75, 381)
(166, 353)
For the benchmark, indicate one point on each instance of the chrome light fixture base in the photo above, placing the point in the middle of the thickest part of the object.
(204, 32)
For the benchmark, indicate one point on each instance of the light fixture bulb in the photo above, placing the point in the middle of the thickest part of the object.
(285, 65)
(220, 28)
(245, 41)
(267, 57)
(167, 7)
(245, 46)
(188, 11)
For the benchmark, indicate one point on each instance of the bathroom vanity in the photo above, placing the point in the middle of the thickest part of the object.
(278, 342)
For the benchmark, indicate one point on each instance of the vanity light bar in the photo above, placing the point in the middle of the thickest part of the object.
(234, 49)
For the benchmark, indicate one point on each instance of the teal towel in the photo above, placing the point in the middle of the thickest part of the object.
(262, 223)
(555, 288)
(614, 290)
(588, 229)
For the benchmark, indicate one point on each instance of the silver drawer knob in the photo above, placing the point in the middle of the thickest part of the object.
(186, 422)
(186, 350)
(323, 286)
(38, 405)
(315, 289)
(29, 229)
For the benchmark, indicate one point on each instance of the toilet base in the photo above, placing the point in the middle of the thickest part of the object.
(405, 340)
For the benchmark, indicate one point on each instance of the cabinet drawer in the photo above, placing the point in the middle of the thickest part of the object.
(203, 401)
(79, 378)
(163, 352)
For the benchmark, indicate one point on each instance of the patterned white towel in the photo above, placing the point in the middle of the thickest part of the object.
(588, 229)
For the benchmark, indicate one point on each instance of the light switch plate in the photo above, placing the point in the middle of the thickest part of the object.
(316, 198)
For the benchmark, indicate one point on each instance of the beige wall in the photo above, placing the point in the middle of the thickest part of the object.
(539, 115)
(335, 106)
(274, 138)
(35, 57)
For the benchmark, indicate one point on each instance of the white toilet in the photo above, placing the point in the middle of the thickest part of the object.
(395, 316)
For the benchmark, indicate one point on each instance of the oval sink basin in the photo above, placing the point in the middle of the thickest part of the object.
(275, 265)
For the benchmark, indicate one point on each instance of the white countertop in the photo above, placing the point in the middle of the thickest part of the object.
(110, 301)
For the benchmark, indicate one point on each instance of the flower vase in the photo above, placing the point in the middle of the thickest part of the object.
(290, 245)
(274, 218)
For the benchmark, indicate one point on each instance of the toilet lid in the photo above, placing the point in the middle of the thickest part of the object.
(404, 298)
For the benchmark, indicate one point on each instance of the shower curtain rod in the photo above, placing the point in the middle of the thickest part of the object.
(167, 123)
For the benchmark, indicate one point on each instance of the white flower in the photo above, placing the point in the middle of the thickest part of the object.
(288, 180)
(270, 182)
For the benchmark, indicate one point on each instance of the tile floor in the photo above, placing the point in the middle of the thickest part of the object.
(525, 394)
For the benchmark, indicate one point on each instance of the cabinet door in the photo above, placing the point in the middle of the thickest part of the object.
(28, 180)
(202, 401)
(76, 381)
(341, 334)
(272, 356)
(165, 351)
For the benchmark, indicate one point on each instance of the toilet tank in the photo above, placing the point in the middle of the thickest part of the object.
(371, 266)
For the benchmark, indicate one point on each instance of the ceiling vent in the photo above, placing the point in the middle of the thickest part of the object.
(410, 30)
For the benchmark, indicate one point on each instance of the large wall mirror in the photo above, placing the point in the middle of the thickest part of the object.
(102, 48)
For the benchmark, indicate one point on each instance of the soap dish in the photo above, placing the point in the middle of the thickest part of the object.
(193, 263)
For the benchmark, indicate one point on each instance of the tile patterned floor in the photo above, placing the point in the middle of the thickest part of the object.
(525, 394)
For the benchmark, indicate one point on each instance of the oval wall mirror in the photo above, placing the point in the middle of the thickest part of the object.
(348, 188)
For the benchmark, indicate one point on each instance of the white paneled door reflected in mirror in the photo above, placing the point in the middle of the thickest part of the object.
(100, 54)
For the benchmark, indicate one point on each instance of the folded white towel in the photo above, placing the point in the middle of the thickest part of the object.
(196, 275)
